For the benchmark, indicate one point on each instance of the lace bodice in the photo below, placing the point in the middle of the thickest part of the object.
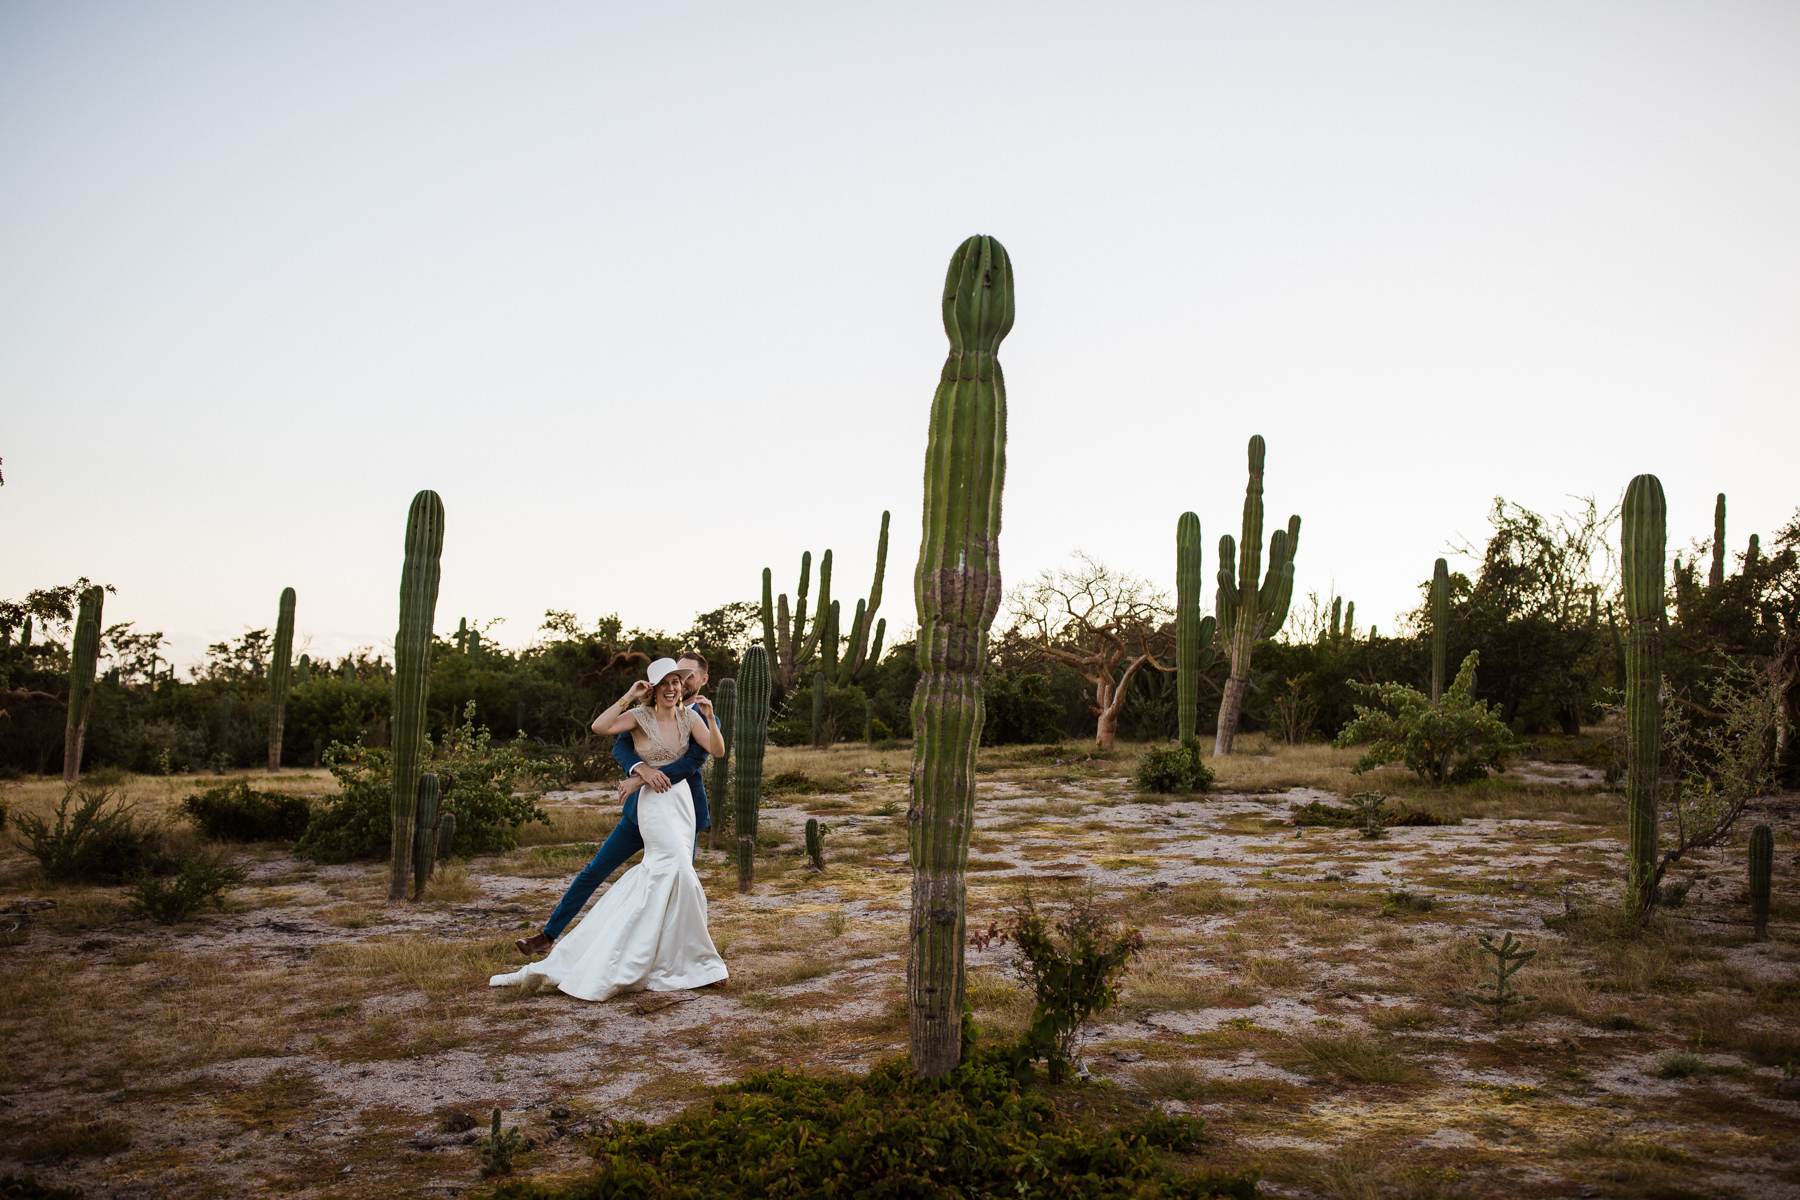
(656, 751)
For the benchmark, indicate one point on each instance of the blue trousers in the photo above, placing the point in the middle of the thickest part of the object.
(623, 842)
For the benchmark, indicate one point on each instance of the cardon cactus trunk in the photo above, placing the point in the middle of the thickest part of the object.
(725, 712)
(818, 709)
(84, 653)
(1193, 633)
(1762, 869)
(1643, 541)
(1251, 606)
(956, 586)
(280, 675)
(815, 844)
(425, 833)
(412, 669)
(1440, 626)
(748, 740)
(1716, 575)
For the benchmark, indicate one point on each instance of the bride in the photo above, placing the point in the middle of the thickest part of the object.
(648, 931)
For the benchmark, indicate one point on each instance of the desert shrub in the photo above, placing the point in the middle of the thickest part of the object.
(1174, 769)
(1454, 741)
(199, 880)
(976, 1132)
(791, 731)
(234, 812)
(160, 746)
(1074, 963)
(1020, 709)
(1340, 816)
(477, 779)
(96, 838)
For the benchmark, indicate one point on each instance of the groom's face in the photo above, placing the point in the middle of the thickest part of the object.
(694, 677)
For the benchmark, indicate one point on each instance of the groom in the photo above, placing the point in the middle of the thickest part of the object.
(625, 841)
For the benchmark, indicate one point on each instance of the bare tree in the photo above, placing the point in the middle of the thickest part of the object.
(1106, 625)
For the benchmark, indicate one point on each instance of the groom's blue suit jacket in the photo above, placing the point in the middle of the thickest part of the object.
(686, 767)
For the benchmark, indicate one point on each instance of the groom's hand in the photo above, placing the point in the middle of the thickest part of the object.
(657, 781)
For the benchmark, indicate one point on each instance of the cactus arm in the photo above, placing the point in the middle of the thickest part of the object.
(1225, 599)
(768, 613)
(1716, 575)
(875, 643)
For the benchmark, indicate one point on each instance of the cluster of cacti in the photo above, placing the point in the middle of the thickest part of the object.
(957, 589)
(1762, 870)
(1440, 627)
(1193, 633)
(84, 653)
(280, 674)
(815, 844)
(425, 832)
(725, 713)
(785, 639)
(412, 669)
(1251, 606)
(1643, 541)
(748, 741)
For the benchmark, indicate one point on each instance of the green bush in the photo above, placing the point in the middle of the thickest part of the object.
(1175, 769)
(977, 1132)
(99, 841)
(1020, 709)
(234, 812)
(1074, 964)
(1340, 816)
(477, 778)
(1457, 740)
(201, 879)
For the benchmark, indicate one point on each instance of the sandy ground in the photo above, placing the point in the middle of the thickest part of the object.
(1311, 993)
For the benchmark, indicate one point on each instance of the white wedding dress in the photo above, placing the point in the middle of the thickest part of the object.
(648, 930)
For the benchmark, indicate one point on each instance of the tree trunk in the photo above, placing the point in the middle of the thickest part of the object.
(1231, 706)
(1107, 729)
(72, 747)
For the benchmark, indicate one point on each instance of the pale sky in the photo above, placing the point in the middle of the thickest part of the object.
(649, 294)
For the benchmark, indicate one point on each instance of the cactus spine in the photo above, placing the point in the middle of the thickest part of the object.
(1193, 633)
(1644, 538)
(280, 675)
(84, 652)
(748, 741)
(815, 844)
(425, 835)
(1440, 626)
(1251, 606)
(412, 670)
(957, 589)
(1716, 575)
(1762, 866)
(725, 712)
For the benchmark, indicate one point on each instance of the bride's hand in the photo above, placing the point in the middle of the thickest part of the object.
(638, 690)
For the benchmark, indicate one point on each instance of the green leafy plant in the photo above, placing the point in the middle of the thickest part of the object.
(1074, 962)
(199, 880)
(496, 1150)
(1371, 813)
(1178, 768)
(236, 812)
(1456, 740)
(1508, 957)
(95, 837)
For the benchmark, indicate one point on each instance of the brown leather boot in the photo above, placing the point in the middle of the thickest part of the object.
(533, 946)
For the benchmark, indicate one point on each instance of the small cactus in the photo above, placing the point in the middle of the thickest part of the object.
(815, 843)
(748, 742)
(446, 835)
(1762, 864)
(425, 835)
(83, 654)
(412, 668)
(1193, 633)
(280, 675)
(725, 713)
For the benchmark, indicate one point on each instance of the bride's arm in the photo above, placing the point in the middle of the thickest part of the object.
(618, 718)
(706, 729)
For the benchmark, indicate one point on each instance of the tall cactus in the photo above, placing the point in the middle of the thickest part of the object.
(748, 741)
(788, 645)
(818, 709)
(1762, 868)
(1716, 575)
(1349, 618)
(84, 653)
(957, 589)
(425, 832)
(281, 661)
(856, 654)
(1251, 606)
(1193, 633)
(412, 670)
(1440, 627)
(1643, 541)
(302, 669)
(725, 712)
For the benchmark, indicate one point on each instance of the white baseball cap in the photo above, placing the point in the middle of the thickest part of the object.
(660, 670)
